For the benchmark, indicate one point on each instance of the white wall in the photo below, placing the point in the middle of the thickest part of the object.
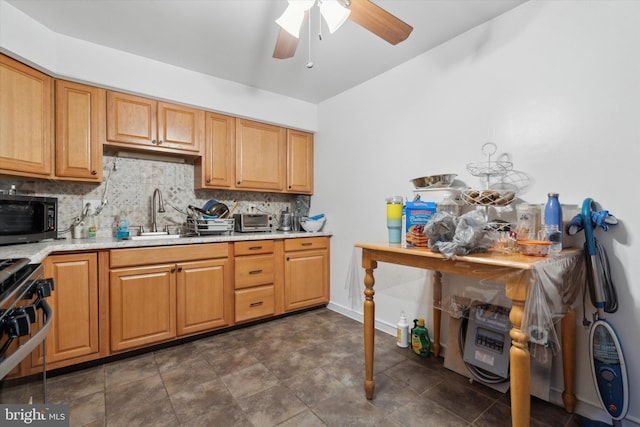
(554, 85)
(26, 39)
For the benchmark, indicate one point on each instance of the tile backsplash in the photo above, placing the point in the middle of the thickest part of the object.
(128, 185)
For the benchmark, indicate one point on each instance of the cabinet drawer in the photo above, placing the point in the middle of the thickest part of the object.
(305, 243)
(254, 271)
(253, 247)
(254, 302)
(167, 254)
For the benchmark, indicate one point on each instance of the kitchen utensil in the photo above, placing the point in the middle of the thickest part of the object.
(312, 225)
(285, 221)
(295, 221)
(534, 247)
(212, 208)
(197, 209)
(219, 210)
(232, 210)
(434, 181)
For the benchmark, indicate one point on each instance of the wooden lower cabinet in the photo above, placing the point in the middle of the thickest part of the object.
(258, 279)
(306, 272)
(75, 332)
(189, 292)
(143, 306)
(203, 296)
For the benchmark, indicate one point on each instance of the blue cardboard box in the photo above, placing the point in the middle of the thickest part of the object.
(417, 214)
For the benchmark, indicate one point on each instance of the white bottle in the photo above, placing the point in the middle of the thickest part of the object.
(403, 332)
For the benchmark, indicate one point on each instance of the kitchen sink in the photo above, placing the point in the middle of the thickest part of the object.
(154, 235)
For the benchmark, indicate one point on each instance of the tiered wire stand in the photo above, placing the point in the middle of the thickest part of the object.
(490, 195)
(496, 193)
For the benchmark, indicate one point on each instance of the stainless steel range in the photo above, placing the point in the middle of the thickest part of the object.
(23, 293)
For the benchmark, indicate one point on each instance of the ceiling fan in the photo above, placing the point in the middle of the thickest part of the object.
(335, 12)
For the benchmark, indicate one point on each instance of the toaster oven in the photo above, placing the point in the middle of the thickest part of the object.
(249, 223)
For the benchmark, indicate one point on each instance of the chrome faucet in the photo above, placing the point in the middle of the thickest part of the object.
(157, 193)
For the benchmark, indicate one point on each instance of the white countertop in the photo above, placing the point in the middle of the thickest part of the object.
(37, 252)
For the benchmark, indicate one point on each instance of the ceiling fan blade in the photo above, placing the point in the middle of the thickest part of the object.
(285, 45)
(379, 21)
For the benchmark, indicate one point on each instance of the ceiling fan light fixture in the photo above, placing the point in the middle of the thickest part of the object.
(291, 20)
(334, 13)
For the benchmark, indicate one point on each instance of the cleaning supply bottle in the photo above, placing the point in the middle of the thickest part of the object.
(420, 341)
(403, 332)
(553, 222)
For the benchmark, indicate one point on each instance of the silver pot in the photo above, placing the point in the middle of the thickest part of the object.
(434, 181)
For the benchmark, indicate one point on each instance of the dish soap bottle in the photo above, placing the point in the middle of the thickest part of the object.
(403, 332)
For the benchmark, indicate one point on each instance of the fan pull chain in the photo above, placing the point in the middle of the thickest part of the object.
(319, 21)
(309, 62)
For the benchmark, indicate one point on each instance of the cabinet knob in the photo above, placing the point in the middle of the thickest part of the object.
(153, 141)
(289, 187)
(238, 183)
(288, 258)
(173, 270)
(208, 180)
(160, 142)
(179, 269)
(94, 172)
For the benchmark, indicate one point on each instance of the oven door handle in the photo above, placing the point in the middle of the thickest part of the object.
(25, 349)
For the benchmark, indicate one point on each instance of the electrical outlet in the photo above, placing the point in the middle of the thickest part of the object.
(94, 203)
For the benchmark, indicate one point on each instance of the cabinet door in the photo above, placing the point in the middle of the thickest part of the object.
(260, 156)
(180, 127)
(306, 279)
(204, 296)
(216, 167)
(299, 162)
(131, 119)
(80, 124)
(74, 302)
(26, 120)
(143, 306)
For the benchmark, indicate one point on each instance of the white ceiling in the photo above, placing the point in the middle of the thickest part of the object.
(234, 39)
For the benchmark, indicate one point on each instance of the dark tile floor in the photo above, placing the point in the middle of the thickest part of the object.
(304, 370)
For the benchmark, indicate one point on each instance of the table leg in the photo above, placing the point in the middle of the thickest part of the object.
(369, 318)
(520, 362)
(568, 328)
(437, 311)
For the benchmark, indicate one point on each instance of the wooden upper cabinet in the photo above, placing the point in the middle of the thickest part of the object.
(80, 131)
(299, 162)
(216, 167)
(146, 124)
(131, 119)
(260, 156)
(180, 127)
(26, 120)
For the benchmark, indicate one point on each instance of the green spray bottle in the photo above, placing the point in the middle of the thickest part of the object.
(420, 341)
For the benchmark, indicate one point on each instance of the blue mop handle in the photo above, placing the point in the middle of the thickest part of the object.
(588, 226)
(591, 250)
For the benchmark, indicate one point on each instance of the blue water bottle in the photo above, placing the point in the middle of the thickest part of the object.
(553, 222)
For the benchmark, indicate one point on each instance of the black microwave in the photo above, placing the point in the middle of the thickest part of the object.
(26, 219)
